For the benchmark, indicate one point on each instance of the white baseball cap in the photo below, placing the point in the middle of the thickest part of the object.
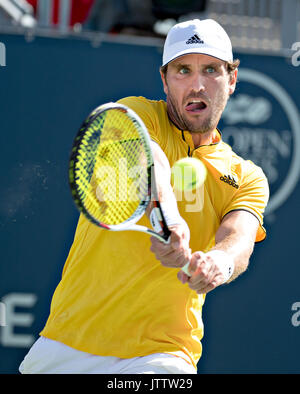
(206, 37)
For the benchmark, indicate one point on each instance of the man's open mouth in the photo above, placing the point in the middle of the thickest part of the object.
(195, 106)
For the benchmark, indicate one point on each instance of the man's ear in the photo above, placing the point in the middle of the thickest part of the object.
(232, 82)
(163, 78)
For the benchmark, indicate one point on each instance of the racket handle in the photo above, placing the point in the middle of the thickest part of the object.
(185, 269)
(166, 236)
(158, 224)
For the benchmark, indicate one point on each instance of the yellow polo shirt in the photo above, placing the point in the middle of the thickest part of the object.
(114, 297)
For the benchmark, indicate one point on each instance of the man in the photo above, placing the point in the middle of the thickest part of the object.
(123, 304)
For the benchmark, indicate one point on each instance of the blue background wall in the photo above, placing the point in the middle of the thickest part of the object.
(46, 89)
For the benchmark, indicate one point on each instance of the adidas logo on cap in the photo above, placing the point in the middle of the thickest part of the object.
(195, 39)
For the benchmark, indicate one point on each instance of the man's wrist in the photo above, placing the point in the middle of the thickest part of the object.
(224, 261)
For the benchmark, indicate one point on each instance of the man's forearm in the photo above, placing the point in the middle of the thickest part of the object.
(239, 248)
(229, 257)
(237, 240)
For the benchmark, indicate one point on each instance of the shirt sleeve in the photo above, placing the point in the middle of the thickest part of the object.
(252, 196)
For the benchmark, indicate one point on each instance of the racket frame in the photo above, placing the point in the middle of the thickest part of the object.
(152, 195)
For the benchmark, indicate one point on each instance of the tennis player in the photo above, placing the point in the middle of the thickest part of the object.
(123, 304)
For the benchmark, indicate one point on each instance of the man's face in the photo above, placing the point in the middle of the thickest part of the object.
(197, 88)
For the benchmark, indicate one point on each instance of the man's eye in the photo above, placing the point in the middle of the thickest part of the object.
(210, 70)
(183, 70)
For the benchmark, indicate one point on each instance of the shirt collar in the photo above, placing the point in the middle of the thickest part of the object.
(187, 137)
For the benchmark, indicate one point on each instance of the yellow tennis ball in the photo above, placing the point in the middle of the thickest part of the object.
(188, 174)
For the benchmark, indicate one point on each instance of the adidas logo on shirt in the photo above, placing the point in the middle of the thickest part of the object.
(230, 180)
(195, 39)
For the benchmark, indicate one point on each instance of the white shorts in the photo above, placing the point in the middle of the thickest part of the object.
(51, 357)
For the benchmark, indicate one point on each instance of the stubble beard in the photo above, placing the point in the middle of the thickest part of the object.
(206, 125)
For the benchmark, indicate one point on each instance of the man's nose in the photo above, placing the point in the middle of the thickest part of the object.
(197, 83)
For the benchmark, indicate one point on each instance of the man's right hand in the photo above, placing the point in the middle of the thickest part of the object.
(176, 253)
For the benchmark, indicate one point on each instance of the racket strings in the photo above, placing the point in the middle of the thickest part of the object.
(111, 171)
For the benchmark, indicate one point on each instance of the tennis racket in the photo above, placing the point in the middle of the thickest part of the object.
(111, 172)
